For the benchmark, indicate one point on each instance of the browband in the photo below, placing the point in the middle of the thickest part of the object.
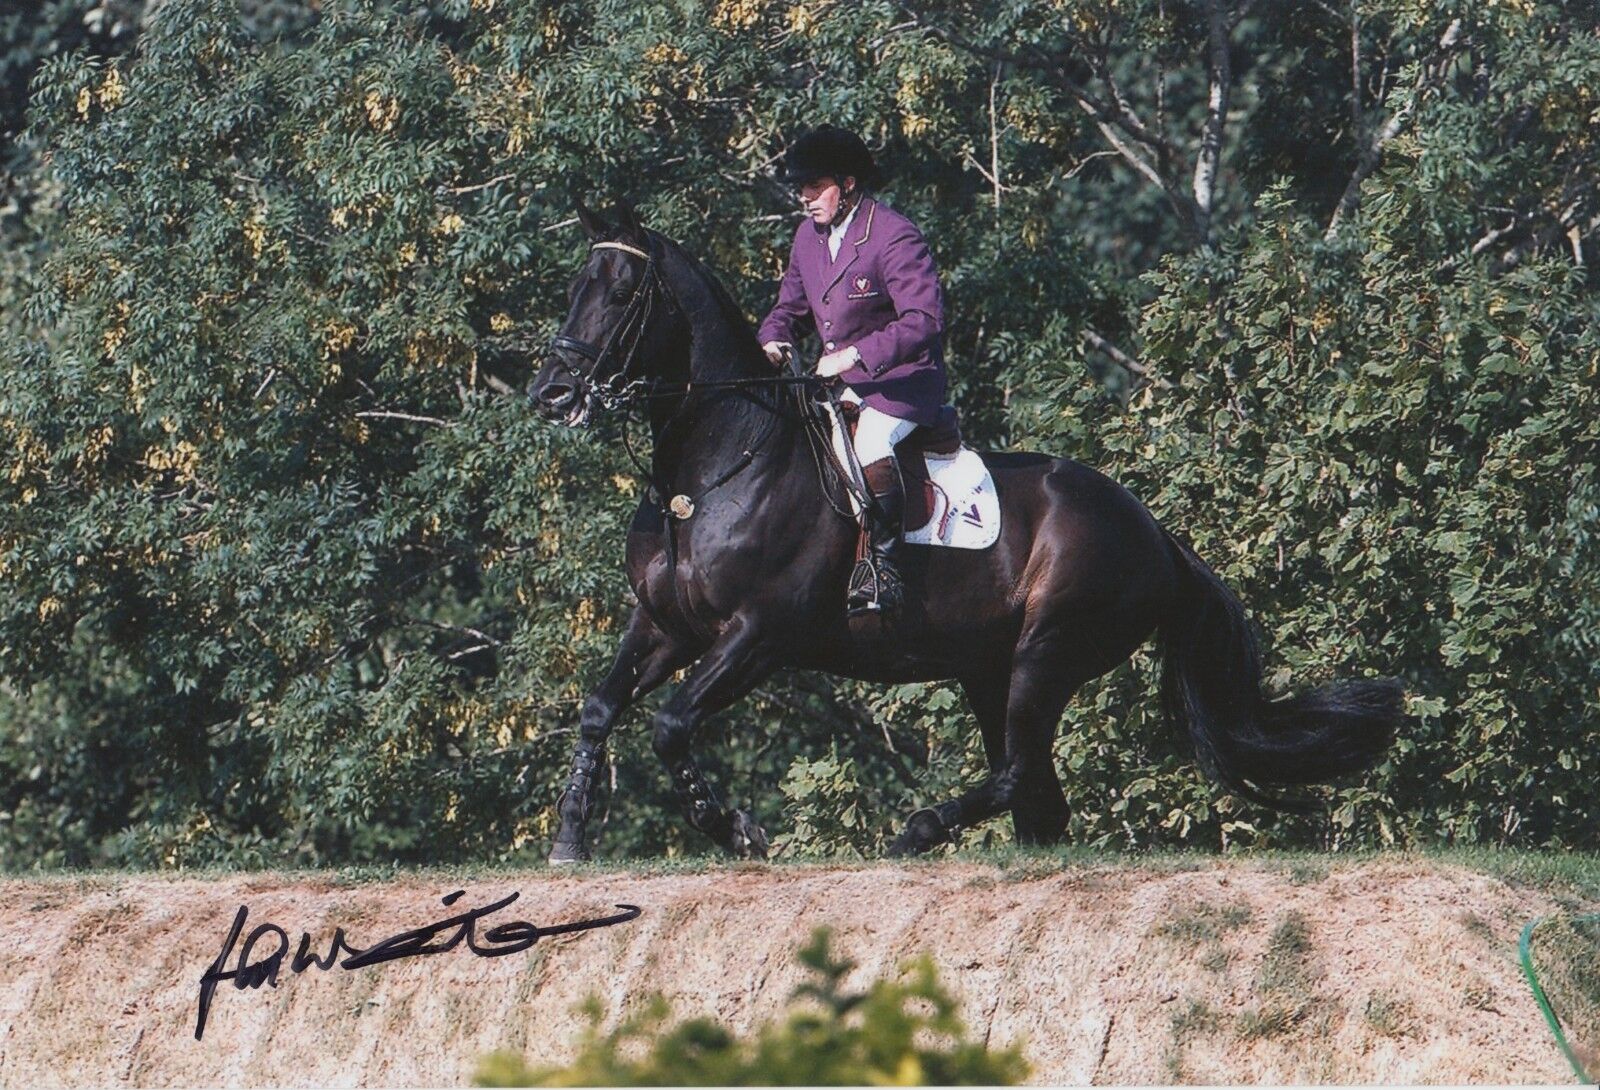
(620, 246)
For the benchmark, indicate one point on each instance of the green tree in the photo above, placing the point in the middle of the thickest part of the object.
(290, 574)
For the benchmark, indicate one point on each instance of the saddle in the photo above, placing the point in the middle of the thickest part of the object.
(941, 439)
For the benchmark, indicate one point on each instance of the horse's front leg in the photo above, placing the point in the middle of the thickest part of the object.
(737, 662)
(646, 657)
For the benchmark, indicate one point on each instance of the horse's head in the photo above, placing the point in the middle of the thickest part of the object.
(616, 307)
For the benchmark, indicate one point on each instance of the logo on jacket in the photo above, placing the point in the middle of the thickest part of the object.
(863, 289)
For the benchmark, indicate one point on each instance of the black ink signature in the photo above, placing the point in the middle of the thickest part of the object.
(508, 938)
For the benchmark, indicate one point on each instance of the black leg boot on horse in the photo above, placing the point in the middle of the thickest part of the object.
(875, 585)
(573, 806)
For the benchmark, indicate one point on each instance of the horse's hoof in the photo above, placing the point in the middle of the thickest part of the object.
(747, 840)
(924, 830)
(563, 853)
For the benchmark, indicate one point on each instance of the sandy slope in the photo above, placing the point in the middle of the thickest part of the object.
(1403, 971)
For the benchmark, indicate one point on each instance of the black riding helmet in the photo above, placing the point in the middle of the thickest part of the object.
(832, 151)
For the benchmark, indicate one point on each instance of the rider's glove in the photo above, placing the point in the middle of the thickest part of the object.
(837, 363)
(777, 352)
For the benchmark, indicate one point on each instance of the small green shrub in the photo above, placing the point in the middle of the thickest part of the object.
(895, 1034)
(826, 801)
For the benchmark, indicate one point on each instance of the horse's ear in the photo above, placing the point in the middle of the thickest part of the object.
(593, 224)
(628, 219)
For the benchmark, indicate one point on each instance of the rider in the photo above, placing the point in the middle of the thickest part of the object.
(862, 272)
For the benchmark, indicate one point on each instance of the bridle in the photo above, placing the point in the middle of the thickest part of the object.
(616, 390)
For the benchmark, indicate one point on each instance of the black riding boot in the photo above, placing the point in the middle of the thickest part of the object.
(875, 583)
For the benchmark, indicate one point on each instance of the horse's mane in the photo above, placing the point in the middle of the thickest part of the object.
(736, 343)
(728, 309)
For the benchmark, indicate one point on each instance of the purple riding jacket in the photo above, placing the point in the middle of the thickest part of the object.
(881, 295)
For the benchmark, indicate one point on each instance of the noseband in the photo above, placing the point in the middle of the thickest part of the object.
(617, 389)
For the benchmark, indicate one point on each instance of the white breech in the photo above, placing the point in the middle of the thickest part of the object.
(877, 432)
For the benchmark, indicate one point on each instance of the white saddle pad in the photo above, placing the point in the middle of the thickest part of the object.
(966, 508)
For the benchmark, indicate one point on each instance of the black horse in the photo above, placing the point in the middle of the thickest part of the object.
(739, 557)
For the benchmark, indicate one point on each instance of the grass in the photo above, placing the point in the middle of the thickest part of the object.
(1271, 1020)
(1202, 928)
(1573, 874)
(1287, 965)
(1476, 925)
(1390, 1016)
(1479, 996)
(1566, 957)
(1285, 983)
(1204, 923)
(1195, 1017)
(1572, 877)
(1307, 872)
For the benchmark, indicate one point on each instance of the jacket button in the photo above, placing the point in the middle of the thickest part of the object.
(828, 324)
(824, 300)
(829, 346)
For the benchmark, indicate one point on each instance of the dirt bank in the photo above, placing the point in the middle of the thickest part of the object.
(1397, 971)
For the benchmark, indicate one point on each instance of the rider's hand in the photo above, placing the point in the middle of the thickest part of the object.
(777, 351)
(837, 363)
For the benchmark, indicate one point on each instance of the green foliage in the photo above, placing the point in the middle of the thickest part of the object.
(824, 805)
(290, 577)
(893, 1034)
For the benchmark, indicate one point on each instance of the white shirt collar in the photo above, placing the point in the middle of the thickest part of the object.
(836, 234)
(839, 230)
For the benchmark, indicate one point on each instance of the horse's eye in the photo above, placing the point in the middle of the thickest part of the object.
(619, 295)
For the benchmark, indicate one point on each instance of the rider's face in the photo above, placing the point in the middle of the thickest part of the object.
(821, 197)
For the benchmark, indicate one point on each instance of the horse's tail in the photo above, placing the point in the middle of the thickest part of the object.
(1211, 686)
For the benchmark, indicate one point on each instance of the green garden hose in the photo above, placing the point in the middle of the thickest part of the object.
(1544, 1002)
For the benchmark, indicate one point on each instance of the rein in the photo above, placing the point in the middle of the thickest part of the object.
(617, 391)
(682, 506)
(679, 389)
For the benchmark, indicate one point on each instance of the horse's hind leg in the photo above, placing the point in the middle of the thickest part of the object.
(1038, 692)
(645, 658)
(1039, 810)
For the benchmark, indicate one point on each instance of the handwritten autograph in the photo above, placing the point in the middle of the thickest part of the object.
(507, 938)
